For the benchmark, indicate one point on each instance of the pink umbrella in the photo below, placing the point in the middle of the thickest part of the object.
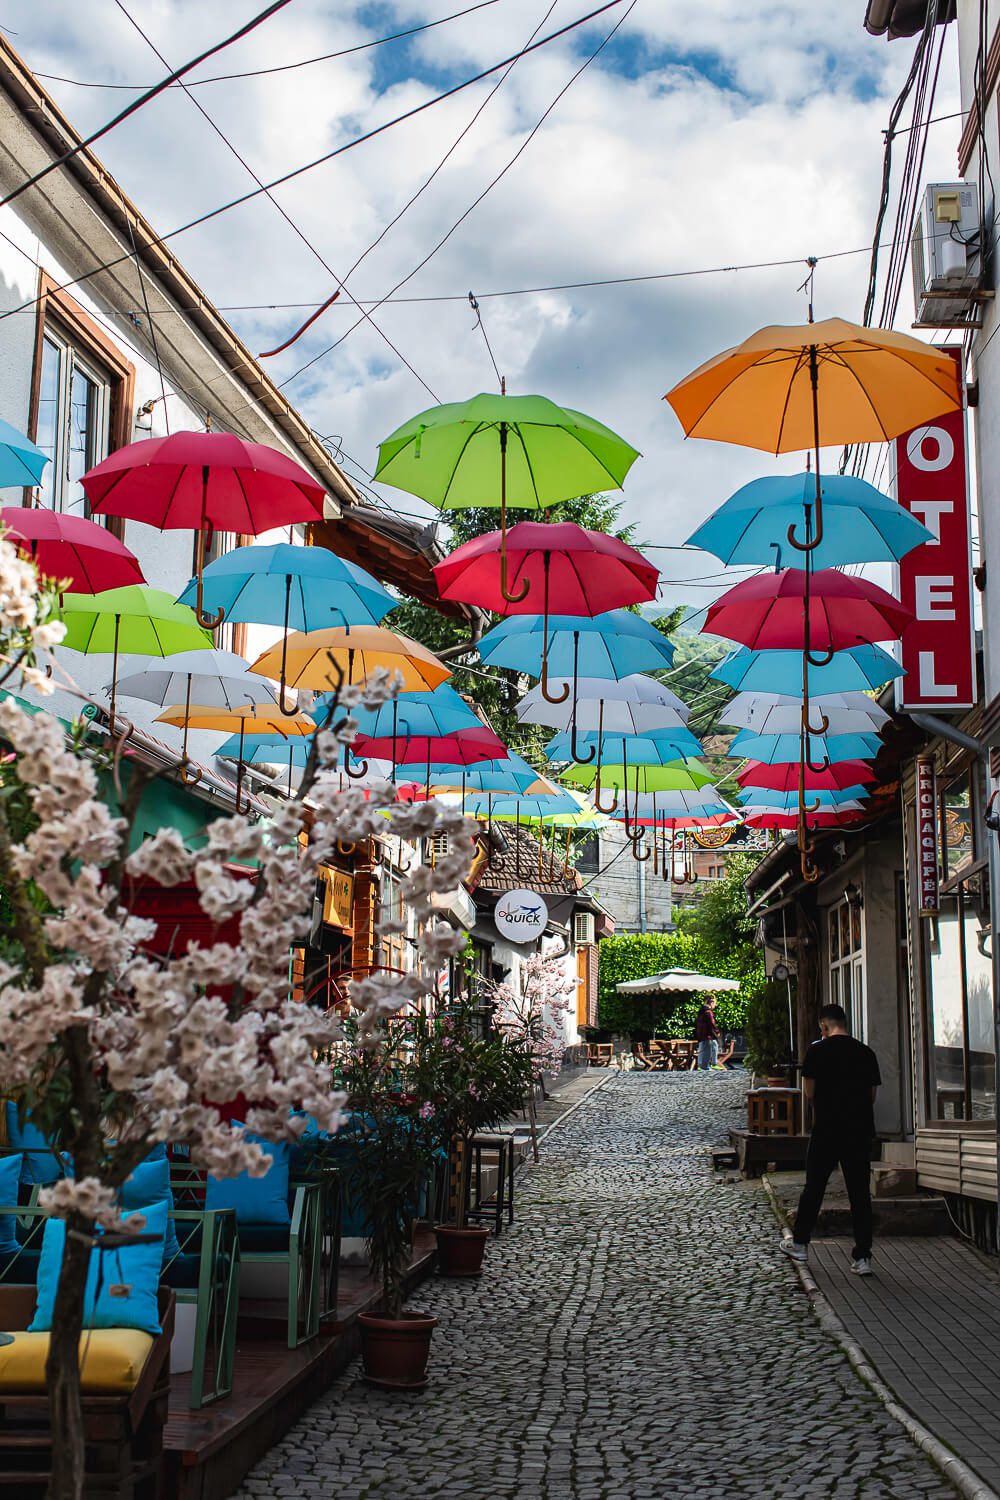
(465, 747)
(783, 776)
(87, 557)
(768, 613)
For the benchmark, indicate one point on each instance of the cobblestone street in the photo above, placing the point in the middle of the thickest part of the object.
(636, 1337)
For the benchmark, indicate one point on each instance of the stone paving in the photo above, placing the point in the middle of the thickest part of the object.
(636, 1337)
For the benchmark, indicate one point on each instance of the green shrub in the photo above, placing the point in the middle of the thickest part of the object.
(636, 955)
(768, 1041)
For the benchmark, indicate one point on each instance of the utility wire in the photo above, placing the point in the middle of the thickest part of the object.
(137, 104)
(304, 62)
(309, 166)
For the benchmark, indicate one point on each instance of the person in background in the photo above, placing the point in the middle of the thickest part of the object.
(840, 1075)
(707, 1035)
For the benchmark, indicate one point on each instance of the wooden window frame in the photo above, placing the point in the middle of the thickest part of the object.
(72, 323)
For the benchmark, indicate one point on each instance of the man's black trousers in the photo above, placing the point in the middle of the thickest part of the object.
(854, 1158)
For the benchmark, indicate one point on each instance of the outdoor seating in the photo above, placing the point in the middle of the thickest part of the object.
(600, 1054)
(774, 1111)
(125, 1379)
(493, 1161)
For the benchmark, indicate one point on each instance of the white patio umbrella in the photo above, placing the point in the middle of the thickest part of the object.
(212, 679)
(676, 982)
(627, 705)
(777, 713)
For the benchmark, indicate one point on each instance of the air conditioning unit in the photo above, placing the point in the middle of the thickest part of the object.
(583, 928)
(438, 847)
(946, 257)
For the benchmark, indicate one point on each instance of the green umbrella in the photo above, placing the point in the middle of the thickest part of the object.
(138, 620)
(522, 451)
(675, 776)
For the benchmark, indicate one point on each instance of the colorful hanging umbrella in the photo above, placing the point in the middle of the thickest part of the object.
(821, 747)
(782, 801)
(629, 705)
(609, 645)
(767, 817)
(784, 776)
(858, 668)
(70, 549)
(656, 748)
(204, 482)
(511, 775)
(137, 620)
(253, 720)
(217, 679)
(767, 612)
(521, 808)
(464, 747)
(21, 462)
(323, 659)
(441, 712)
(860, 523)
(519, 451)
(298, 588)
(776, 713)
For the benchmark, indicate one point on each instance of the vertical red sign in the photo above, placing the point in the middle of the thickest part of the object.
(935, 579)
(927, 837)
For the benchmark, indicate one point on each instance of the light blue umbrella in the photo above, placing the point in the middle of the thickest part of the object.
(848, 671)
(822, 749)
(764, 797)
(440, 712)
(510, 776)
(860, 524)
(21, 463)
(299, 588)
(653, 749)
(524, 809)
(268, 749)
(609, 645)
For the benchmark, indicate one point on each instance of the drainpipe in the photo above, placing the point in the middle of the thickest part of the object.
(945, 731)
(641, 869)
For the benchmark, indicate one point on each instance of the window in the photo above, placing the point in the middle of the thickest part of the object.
(847, 963)
(957, 843)
(83, 390)
(963, 1083)
(391, 909)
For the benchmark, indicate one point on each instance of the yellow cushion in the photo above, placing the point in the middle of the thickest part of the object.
(113, 1359)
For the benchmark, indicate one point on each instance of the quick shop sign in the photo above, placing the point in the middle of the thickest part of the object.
(520, 916)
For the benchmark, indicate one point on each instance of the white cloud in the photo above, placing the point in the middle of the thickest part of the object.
(727, 133)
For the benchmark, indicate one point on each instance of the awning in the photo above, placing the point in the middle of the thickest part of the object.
(676, 982)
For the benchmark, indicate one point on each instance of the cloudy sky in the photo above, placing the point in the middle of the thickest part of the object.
(710, 135)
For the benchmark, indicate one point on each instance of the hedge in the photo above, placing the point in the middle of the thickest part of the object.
(636, 955)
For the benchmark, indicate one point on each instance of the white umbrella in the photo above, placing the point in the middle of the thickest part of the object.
(628, 705)
(774, 713)
(676, 982)
(212, 679)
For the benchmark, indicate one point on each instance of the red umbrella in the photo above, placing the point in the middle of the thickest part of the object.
(767, 613)
(71, 549)
(783, 776)
(790, 820)
(463, 748)
(204, 481)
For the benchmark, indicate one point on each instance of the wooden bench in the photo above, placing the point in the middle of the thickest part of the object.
(600, 1054)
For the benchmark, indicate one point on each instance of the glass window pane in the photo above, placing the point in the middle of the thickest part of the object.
(834, 936)
(85, 437)
(47, 421)
(845, 989)
(946, 1009)
(957, 819)
(979, 988)
(834, 986)
(845, 930)
(856, 928)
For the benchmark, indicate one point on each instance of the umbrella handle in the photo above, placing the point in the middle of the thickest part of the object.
(824, 724)
(544, 685)
(808, 807)
(576, 754)
(637, 840)
(188, 777)
(810, 872)
(208, 621)
(824, 764)
(809, 545)
(362, 764)
(510, 598)
(822, 659)
(599, 805)
(814, 534)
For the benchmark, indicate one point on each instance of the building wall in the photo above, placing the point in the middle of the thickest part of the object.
(638, 899)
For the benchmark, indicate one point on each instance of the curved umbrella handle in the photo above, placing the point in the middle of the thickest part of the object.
(636, 841)
(543, 683)
(510, 598)
(187, 776)
(824, 764)
(810, 544)
(814, 534)
(362, 771)
(514, 598)
(208, 621)
(584, 760)
(577, 754)
(810, 872)
(599, 805)
(821, 728)
(820, 659)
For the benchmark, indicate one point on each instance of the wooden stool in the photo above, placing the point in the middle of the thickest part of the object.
(773, 1111)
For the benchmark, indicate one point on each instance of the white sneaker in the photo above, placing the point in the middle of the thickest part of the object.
(862, 1267)
(795, 1252)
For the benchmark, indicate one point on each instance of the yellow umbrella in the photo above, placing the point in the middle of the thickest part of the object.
(248, 718)
(322, 659)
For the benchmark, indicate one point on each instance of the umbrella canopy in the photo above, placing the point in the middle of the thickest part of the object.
(774, 713)
(860, 524)
(68, 548)
(463, 748)
(137, 620)
(767, 817)
(630, 705)
(322, 658)
(217, 679)
(441, 712)
(784, 776)
(784, 747)
(676, 982)
(299, 588)
(872, 385)
(670, 806)
(653, 749)
(855, 669)
(767, 612)
(788, 801)
(21, 462)
(608, 645)
(251, 719)
(521, 808)
(573, 571)
(268, 749)
(684, 776)
(505, 775)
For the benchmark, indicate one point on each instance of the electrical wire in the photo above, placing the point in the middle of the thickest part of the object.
(327, 156)
(305, 62)
(145, 98)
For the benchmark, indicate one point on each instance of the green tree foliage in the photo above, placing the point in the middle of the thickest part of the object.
(768, 1033)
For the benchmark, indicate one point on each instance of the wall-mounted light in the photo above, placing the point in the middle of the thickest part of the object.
(144, 416)
(853, 896)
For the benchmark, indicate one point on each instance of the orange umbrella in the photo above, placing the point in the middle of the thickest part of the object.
(248, 718)
(322, 659)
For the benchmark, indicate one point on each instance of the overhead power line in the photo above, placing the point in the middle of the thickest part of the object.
(137, 104)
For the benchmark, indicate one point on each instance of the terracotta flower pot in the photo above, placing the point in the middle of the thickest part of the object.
(395, 1350)
(460, 1251)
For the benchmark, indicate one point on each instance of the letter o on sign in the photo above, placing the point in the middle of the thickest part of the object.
(942, 449)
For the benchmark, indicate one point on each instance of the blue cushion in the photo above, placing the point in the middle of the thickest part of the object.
(40, 1164)
(256, 1200)
(149, 1184)
(137, 1266)
(10, 1176)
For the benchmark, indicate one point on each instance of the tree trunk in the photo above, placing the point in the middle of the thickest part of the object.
(533, 1122)
(62, 1369)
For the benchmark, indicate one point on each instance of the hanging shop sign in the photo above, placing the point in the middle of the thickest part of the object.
(927, 837)
(520, 916)
(338, 897)
(935, 579)
(713, 838)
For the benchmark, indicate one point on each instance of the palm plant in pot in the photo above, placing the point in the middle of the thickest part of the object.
(469, 1080)
(386, 1154)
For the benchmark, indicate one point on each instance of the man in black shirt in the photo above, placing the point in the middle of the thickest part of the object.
(840, 1076)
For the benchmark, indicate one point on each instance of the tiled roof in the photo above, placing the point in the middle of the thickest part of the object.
(519, 863)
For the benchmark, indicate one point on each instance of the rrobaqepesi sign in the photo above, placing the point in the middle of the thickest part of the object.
(520, 916)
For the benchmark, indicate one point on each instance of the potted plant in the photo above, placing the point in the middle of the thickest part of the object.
(469, 1078)
(767, 1029)
(386, 1152)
